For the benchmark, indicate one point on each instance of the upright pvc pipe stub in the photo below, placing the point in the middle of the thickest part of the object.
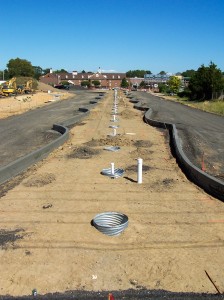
(140, 170)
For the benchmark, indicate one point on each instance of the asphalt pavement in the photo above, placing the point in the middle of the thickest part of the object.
(202, 133)
(22, 134)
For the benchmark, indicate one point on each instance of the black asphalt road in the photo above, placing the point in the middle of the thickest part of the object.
(202, 133)
(27, 132)
(132, 294)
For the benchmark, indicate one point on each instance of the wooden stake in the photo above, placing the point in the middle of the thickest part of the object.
(212, 282)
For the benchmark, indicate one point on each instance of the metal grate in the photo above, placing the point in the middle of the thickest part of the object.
(112, 148)
(117, 173)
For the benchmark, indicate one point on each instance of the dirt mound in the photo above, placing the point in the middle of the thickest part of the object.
(110, 141)
(40, 180)
(142, 152)
(46, 87)
(162, 185)
(143, 143)
(128, 114)
(134, 168)
(83, 153)
(9, 237)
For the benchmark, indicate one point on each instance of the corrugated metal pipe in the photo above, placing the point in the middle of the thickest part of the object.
(110, 223)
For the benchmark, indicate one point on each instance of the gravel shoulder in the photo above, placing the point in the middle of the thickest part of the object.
(175, 230)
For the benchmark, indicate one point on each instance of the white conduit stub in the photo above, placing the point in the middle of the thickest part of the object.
(139, 170)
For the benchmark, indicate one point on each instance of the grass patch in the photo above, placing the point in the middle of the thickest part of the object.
(213, 106)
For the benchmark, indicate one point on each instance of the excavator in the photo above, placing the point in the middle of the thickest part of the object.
(28, 88)
(25, 89)
(9, 87)
(1, 93)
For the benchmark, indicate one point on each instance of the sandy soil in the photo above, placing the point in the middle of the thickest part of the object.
(175, 230)
(19, 104)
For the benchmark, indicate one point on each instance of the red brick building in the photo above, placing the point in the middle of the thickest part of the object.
(107, 80)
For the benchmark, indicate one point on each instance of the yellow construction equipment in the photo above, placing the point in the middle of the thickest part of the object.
(1, 93)
(29, 87)
(9, 87)
(25, 89)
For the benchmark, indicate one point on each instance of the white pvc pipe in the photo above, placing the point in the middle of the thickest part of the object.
(114, 117)
(115, 131)
(139, 170)
(112, 168)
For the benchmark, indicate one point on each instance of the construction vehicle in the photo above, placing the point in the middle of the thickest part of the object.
(25, 89)
(9, 87)
(1, 93)
(28, 88)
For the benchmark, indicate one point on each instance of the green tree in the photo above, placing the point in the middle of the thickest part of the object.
(64, 82)
(162, 73)
(174, 84)
(142, 84)
(163, 88)
(4, 75)
(46, 71)
(20, 67)
(205, 82)
(188, 73)
(96, 83)
(86, 83)
(38, 71)
(124, 83)
(60, 71)
(136, 73)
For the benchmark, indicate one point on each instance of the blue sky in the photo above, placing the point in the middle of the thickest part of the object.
(120, 35)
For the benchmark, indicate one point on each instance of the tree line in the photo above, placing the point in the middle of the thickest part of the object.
(205, 83)
(23, 68)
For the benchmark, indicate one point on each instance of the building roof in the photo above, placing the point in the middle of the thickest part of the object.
(85, 76)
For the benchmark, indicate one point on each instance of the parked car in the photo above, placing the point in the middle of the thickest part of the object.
(62, 86)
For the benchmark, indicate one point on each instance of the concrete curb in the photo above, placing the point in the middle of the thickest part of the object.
(22, 163)
(210, 184)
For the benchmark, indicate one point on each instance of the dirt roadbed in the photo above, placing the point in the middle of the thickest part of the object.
(175, 233)
(10, 106)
